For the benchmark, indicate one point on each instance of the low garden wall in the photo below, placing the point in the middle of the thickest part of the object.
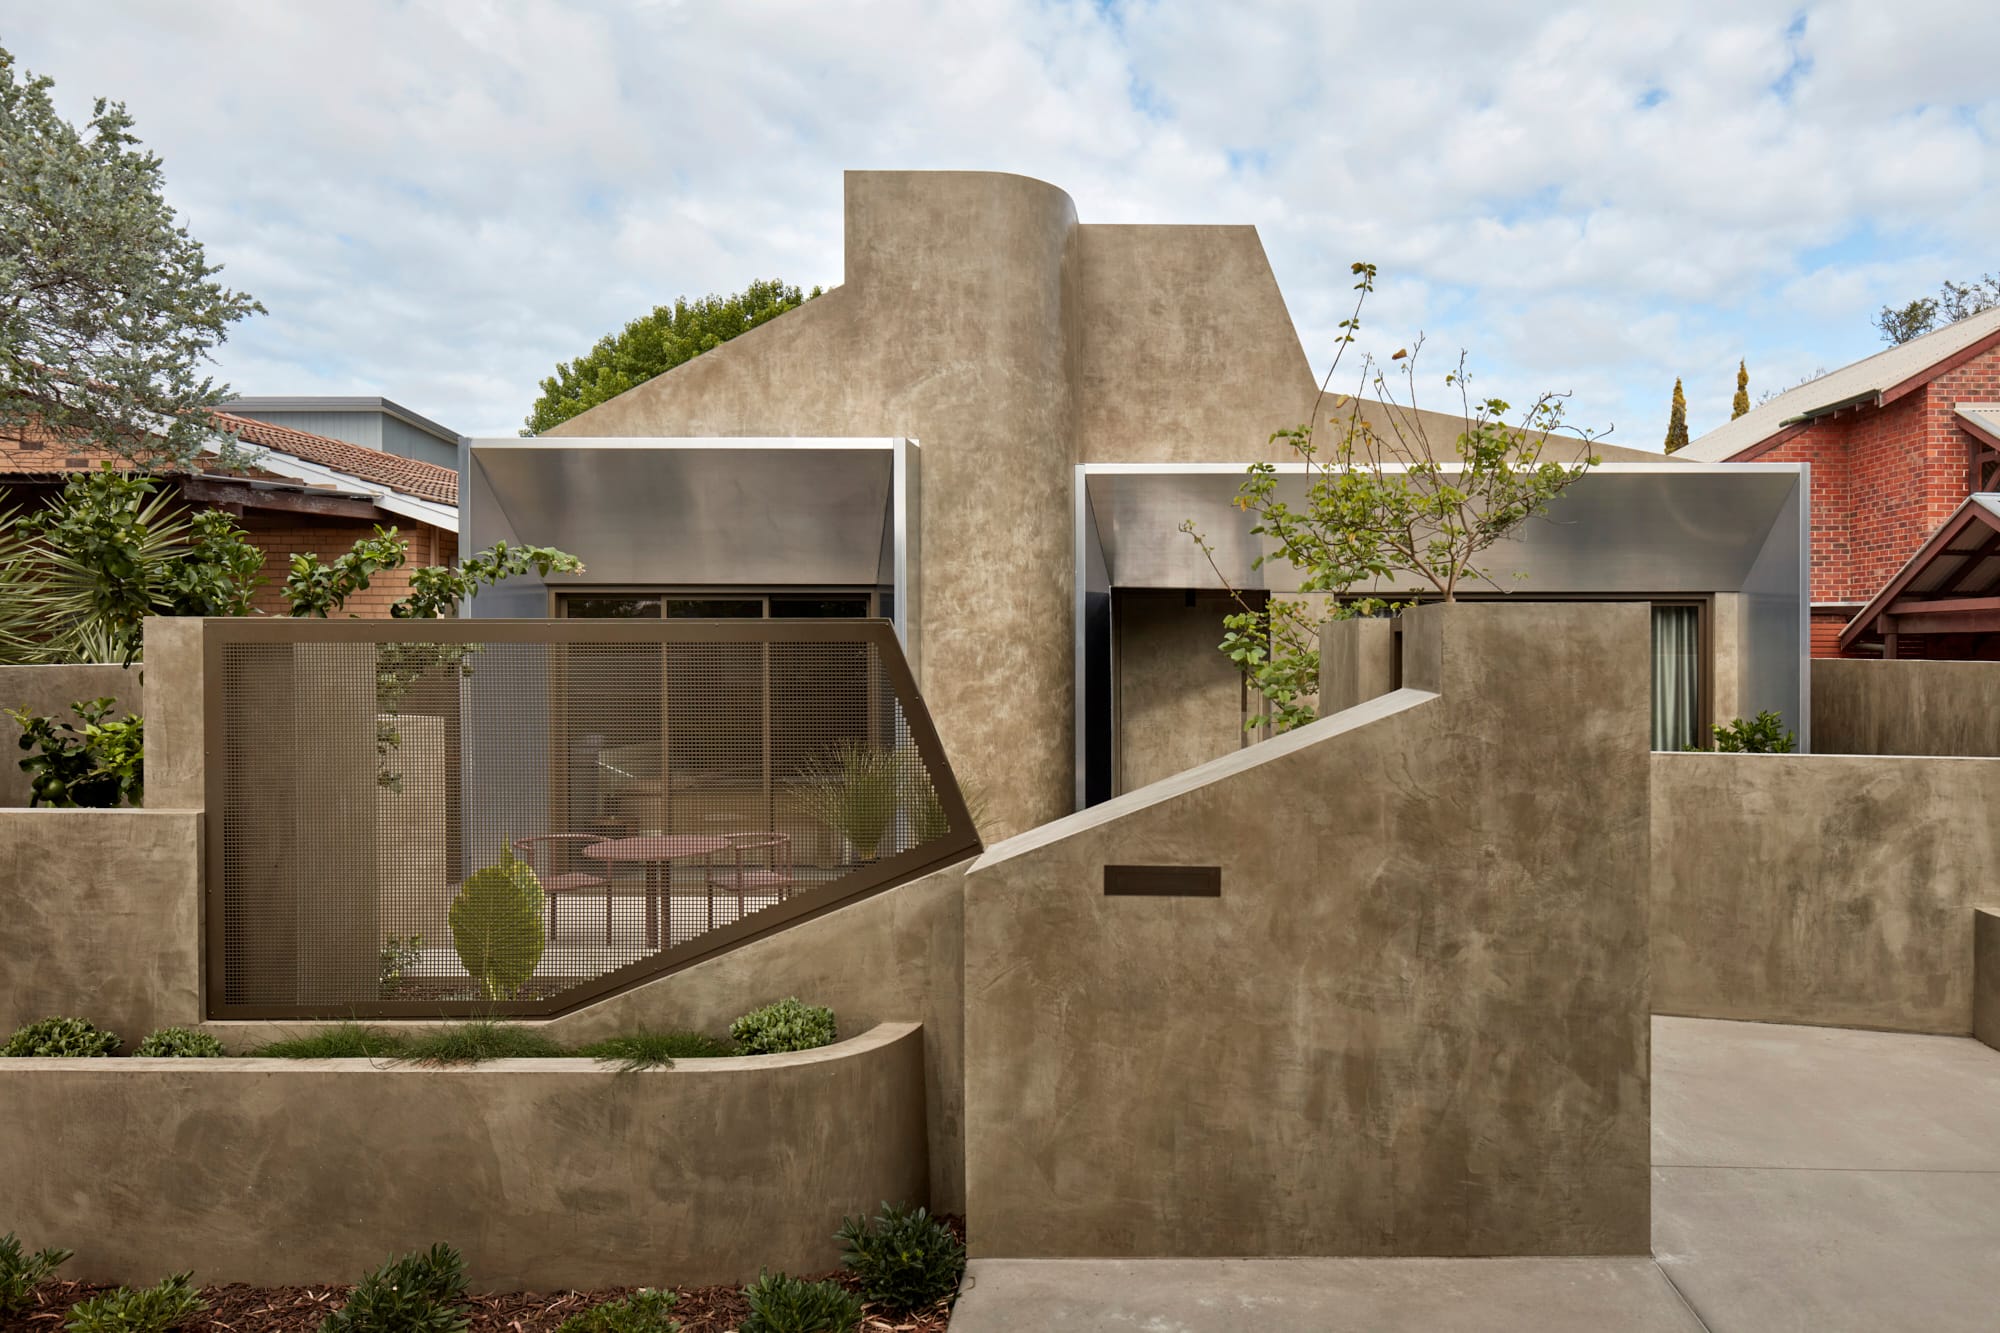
(52, 690)
(547, 1174)
(102, 912)
(1826, 889)
(1909, 708)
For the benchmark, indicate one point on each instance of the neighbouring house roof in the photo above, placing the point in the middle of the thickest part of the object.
(1950, 586)
(410, 476)
(1872, 381)
(385, 406)
(1983, 419)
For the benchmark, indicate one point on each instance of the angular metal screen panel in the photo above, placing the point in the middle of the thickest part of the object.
(456, 817)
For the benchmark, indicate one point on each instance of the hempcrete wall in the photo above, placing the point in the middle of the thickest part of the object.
(1414, 1022)
(546, 1174)
(1906, 708)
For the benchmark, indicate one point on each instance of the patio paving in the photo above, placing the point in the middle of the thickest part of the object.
(1804, 1179)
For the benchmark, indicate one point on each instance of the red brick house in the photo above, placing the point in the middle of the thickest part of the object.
(1903, 563)
(305, 493)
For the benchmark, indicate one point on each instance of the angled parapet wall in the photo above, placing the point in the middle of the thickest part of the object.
(1412, 1021)
(1828, 889)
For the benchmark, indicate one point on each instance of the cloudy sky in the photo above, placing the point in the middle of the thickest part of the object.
(438, 201)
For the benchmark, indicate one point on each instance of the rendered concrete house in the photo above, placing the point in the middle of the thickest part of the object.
(1905, 451)
(991, 432)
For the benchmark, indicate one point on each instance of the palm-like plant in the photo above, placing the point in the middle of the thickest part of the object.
(852, 790)
(106, 545)
(24, 593)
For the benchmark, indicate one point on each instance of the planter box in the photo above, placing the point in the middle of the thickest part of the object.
(547, 1174)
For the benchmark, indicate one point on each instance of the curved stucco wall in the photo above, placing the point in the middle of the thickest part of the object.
(546, 1174)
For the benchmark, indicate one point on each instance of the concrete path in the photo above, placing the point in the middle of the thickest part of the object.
(1804, 1178)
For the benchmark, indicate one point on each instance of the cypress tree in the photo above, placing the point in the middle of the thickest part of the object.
(1677, 424)
(1742, 401)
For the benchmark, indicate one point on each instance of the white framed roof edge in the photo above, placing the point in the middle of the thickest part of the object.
(870, 443)
(1297, 469)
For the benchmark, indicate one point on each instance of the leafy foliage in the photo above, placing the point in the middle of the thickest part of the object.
(906, 1259)
(182, 1042)
(112, 306)
(1383, 502)
(61, 1037)
(100, 766)
(1954, 301)
(644, 1311)
(319, 588)
(852, 790)
(21, 1273)
(399, 954)
(1764, 734)
(482, 1039)
(147, 1310)
(654, 1050)
(436, 590)
(1677, 421)
(342, 1041)
(216, 574)
(781, 1304)
(654, 343)
(787, 1025)
(496, 925)
(1741, 402)
(418, 1293)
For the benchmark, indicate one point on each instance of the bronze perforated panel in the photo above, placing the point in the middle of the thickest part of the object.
(513, 817)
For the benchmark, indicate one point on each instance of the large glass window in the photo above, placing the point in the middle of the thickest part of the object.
(1676, 677)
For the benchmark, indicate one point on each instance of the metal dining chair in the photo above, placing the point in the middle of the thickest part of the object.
(557, 862)
(755, 862)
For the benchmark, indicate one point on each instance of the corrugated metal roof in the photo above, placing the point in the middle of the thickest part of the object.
(1982, 416)
(1860, 381)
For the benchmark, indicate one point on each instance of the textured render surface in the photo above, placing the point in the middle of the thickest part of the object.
(175, 708)
(1586, 1295)
(1413, 1023)
(546, 1174)
(1357, 662)
(1810, 1179)
(1986, 977)
(1180, 701)
(1820, 888)
(103, 918)
(1924, 708)
(51, 690)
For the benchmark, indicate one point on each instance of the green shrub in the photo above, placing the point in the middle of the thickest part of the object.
(780, 1304)
(148, 1310)
(21, 1273)
(787, 1025)
(644, 1311)
(61, 1036)
(180, 1041)
(342, 1041)
(1763, 734)
(418, 1293)
(496, 925)
(100, 765)
(906, 1259)
(655, 1050)
(469, 1043)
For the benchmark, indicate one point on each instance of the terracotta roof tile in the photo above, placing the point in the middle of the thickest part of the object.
(411, 476)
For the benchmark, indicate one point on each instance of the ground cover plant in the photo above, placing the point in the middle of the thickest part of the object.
(183, 1042)
(781, 1304)
(61, 1037)
(654, 1050)
(21, 1272)
(647, 1310)
(422, 1292)
(469, 1043)
(341, 1041)
(905, 1259)
(788, 1025)
(171, 1304)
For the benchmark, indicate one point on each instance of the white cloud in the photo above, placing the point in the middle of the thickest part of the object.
(438, 200)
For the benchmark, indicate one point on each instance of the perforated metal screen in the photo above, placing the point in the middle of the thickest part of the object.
(514, 817)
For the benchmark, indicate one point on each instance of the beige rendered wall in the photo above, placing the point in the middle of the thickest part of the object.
(102, 918)
(1928, 708)
(1986, 976)
(1415, 1020)
(51, 690)
(1180, 701)
(546, 1174)
(1821, 888)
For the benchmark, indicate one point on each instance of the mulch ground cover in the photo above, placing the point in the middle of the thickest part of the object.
(235, 1308)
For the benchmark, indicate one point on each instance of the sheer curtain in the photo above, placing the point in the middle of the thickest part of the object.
(1676, 677)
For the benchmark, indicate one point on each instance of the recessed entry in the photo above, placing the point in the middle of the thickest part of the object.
(1163, 881)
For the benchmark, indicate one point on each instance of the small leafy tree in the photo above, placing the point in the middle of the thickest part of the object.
(1677, 421)
(319, 588)
(1383, 502)
(496, 925)
(655, 343)
(98, 766)
(1741, 402)
(111, 306)
(1764, 734)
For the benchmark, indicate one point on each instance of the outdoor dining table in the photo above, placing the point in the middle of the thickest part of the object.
(657, 852)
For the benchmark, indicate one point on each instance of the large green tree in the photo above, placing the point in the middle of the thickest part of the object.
(1677, 421)
(655, 343)
(107, 306)
(1954, 301)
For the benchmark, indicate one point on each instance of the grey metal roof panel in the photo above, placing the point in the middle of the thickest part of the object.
(1857, 382)
(387, 407)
